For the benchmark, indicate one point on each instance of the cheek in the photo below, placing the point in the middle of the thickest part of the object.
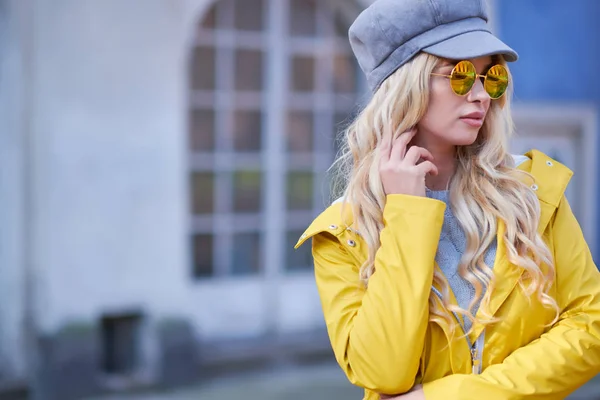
(442, 107)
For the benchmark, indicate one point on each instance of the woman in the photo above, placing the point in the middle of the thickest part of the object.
(450, 269)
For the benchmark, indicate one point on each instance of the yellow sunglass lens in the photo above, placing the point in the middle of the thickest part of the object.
(463, 77)
(496, 81)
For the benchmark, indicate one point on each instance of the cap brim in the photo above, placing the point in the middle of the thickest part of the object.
(472, 45)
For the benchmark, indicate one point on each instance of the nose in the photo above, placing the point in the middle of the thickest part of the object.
(478, 92)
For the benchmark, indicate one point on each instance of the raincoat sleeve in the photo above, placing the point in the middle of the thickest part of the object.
(562, 359)
(377, 334)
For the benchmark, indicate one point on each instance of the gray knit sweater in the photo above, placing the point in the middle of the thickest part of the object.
(451, 247)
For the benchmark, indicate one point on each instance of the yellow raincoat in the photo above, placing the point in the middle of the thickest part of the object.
(383, 339)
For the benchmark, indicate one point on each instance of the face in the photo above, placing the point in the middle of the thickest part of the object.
(452, 120)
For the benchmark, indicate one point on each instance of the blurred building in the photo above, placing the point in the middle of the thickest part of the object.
(159, 159)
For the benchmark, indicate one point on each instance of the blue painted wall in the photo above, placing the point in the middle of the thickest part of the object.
(558, 42)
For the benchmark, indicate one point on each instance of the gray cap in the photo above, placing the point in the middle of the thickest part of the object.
(390, 32)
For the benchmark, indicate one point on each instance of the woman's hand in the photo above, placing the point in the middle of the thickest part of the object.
(401, 171)
(415, 394)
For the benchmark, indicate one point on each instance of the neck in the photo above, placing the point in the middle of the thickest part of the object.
(444, 158)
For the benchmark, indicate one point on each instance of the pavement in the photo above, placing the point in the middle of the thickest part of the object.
(323, 382)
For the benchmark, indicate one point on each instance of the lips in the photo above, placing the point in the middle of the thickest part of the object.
(473, 119)
(475, 115)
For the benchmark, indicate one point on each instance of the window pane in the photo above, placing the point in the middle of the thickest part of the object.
(246, 254)
(247, 191)
(297, 260)
(300, 131)
(202, 247)
(225, 11)
(203, 68)
(248, 70)
(345, 73)
(248, 127)
(303, 18)
(303, 74)
(202, 129)
(202, 192)
(249, 15)
(300, 190)
(209, 21)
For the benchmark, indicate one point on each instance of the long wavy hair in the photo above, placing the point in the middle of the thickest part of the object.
(486, 188)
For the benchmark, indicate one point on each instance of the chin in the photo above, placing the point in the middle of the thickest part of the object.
(466, 141)
(464, 138)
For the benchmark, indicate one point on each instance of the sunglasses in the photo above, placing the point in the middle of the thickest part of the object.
(464, 74)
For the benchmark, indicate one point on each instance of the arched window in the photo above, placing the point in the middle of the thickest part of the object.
(270, 81)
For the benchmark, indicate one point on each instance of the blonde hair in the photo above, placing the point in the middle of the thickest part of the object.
(484, 189)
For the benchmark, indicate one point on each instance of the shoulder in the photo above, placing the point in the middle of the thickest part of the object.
(335, 220)
(548, 177)
(338, 221)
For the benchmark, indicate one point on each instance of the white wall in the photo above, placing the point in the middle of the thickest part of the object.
(110, 147)
(12, 246)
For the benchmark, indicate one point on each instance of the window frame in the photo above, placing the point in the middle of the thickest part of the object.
(276, 99)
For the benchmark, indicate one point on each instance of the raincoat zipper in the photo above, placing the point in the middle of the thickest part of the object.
(475, 348)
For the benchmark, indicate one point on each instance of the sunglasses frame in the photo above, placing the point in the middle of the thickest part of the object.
(477, 76)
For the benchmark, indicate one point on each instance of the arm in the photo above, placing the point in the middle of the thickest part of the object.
(562, 359)
(377, 334)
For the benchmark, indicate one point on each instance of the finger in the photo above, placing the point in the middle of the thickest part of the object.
(427, 167)
(385, 148)
(415, 153)
(399, 147)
